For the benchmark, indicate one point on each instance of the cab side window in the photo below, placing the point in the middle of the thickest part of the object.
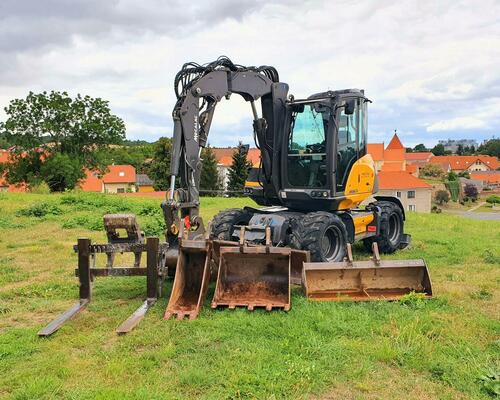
(347, 148)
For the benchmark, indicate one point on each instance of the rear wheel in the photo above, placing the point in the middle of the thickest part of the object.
(391, 228)
(323, 234)
(223, 223)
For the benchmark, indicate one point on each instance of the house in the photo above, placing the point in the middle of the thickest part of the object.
(224, 157)
(4, 185)
(489, 179)
(144, 183)
(417, 160)
(467, 163)
(390, 158)
(414, 193)
(119, 179)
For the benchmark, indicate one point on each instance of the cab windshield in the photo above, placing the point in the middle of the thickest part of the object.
(307, 147)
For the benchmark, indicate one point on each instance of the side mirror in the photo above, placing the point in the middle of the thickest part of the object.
(349, 107)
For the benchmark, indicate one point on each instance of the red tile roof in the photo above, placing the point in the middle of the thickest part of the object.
(395, 143)
(411, 168)
(400, 180)
(461, 163)
(120, 174)
(486, 176)
(91, 182)
(224, 156)
(4, 156)
(376, 150)
(423, 156)
(392, 166)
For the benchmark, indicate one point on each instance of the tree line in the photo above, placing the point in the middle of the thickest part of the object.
(489, 148)
(54, 138)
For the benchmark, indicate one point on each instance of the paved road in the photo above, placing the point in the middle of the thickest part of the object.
(484, 216)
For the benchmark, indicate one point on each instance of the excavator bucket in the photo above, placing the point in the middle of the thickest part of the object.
(255, 276)
(366, 280)
(191, 280)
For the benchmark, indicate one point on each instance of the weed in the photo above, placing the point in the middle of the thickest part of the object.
(490, 382)
(413, 300)
(481, 294)
(490, 257)
(39, 210)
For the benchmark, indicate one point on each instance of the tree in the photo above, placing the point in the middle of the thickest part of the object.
(431, 171)
(210, 178)
(159, 169)
(464, 174)
(238, 172)
(61, 171)
(419, 148)
(438, 150)
(452, 176)
(44, 125)
(470, 191)
(460, 150)
(442, 196)
(490, 148)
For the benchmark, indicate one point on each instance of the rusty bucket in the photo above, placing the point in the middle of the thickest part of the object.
(252, 277)
(191, 280)
(366, 280)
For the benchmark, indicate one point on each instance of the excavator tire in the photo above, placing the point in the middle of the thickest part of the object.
(391, 228)
(323, 234)
(224, 222)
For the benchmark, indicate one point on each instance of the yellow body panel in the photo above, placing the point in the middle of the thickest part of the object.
(360, 183)
(361, 221)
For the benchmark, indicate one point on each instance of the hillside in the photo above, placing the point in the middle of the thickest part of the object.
(434, 349)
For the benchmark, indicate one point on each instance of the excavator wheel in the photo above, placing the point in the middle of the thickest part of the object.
(323, 234)
(224, 222)
(391, 228)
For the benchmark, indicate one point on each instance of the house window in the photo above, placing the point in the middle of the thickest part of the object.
(120, 190)
(412, 207)
(411, 194)
(398, 195)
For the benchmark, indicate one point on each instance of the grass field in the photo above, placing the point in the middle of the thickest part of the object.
(416, 349)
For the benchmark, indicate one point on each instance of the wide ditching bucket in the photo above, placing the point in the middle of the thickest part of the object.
(192, 275)
(366, 280)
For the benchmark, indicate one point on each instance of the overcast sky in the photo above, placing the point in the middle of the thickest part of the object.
(432, 68)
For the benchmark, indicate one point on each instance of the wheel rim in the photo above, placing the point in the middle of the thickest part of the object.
(330, 243)
(394, 228)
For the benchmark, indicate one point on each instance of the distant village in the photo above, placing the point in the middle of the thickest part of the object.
(401, 172)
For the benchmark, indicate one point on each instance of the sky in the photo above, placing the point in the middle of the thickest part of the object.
(431, 68)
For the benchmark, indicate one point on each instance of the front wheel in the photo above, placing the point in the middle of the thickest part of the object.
(323, 234)
(391, 228)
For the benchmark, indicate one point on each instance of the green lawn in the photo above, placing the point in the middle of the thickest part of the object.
(434, 349)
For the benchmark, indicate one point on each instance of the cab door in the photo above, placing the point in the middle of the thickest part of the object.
(347, 146)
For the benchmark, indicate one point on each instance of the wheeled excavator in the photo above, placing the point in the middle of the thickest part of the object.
(314, 174)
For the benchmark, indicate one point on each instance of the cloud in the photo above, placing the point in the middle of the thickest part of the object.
(463, 123)
(426, 65)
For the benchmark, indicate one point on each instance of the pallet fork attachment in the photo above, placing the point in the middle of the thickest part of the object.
(155, 270)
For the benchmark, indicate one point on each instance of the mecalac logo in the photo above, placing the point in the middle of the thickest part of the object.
(195, 129)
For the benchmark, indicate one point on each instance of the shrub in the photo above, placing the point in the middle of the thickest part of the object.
(436, 210)
(442, 196)
(493, 199)
(470, 191)
(39, 210)
(432, 171)
(41, 188)
(452, 176)
(490, 382)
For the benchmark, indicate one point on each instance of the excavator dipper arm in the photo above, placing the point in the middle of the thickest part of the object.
(199, 89)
